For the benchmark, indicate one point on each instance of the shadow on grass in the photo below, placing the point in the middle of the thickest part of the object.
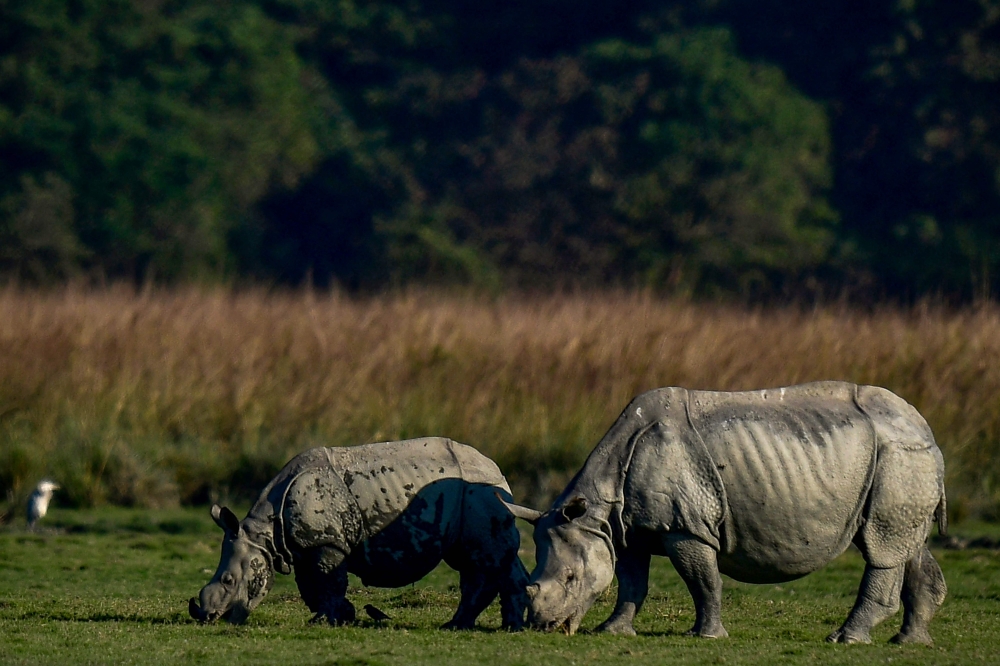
(132, 618)
(137, 525)
(669, 633)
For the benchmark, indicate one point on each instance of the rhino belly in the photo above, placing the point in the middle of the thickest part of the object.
(796, 481)
(410, 546)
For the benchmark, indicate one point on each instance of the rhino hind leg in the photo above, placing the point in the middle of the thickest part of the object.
(632, 570)
(878, 599)
(697, 564)
(924, 590)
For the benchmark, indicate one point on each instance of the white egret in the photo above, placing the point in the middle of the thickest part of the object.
(38, 503)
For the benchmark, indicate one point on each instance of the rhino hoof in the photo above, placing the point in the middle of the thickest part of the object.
(717, 632)
(616, 628)
(337, 612)
(841, 636)
(340, 615)
(916, 637)
(452, 625)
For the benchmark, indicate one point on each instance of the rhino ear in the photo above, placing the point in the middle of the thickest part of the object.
(225, 519)
(576, 508)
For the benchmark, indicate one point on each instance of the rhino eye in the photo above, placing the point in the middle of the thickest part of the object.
(227, 578)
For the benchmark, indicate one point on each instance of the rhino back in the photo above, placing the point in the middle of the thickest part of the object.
(796, 464)
(384, 478)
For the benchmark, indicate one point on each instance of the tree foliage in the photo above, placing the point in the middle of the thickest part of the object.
(672, 163)
(723, 146)
(912, 87)
(135, 135)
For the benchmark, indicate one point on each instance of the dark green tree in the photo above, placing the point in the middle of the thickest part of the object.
(912, 87)
(505, 143)
(672, 164)
(136, 135)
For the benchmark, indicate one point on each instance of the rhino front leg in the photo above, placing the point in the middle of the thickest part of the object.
(924, 590)
(632, 570)
(698, 566)
(878, 599)
(513, 598)
(321, 578)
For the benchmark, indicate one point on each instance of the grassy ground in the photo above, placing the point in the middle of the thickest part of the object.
(110, 586)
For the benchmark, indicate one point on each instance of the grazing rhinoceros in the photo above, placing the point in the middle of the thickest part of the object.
(388, 513)
(763, 486)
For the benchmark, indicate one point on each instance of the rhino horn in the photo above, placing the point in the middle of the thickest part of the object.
(196, 612)
(522, 512)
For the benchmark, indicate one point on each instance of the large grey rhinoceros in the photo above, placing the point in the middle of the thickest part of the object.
(763, 486)
(387, 512)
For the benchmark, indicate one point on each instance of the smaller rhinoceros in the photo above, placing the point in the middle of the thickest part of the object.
(388, 513)
(763, 486)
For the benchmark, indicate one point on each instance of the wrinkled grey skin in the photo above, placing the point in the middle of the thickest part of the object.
(387, 512)
(763, 486)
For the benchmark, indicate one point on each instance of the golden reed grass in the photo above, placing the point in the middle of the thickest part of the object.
(162, 396)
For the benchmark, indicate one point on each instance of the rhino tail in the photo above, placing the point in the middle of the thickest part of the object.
(941, 514)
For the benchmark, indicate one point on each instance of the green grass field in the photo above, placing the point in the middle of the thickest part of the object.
(111, 586)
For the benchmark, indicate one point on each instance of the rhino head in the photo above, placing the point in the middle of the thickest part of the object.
(242, 580)
(575, 563)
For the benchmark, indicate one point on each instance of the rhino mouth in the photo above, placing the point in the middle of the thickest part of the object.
(567, 626)
(195, 611)
(207, 617)
(227, 616)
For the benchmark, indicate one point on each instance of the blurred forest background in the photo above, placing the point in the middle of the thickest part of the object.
(232, 230)
(711, 148)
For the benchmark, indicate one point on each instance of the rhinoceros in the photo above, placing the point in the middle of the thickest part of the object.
(387, 512)
(763, 486)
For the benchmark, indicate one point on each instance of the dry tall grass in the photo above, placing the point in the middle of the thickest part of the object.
(163, 396)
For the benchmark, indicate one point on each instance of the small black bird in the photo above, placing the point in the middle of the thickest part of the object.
(375, 613)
